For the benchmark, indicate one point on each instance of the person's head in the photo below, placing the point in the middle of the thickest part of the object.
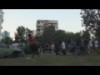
(30, 36)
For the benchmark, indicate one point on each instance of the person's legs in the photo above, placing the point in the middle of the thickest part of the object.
(86, 50)
(89, 50)
(33, 54)
(97, 50)
(56, 51)
(83, 50)
(92, 50)
(33, 51)
(36, 51)
(64, 52)
(73, 50)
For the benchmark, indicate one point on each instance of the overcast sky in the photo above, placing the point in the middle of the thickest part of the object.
(68, 19)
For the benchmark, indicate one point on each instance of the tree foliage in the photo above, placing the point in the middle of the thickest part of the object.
(49, 34)
(91, 20)
(22, 33)
(7, 40)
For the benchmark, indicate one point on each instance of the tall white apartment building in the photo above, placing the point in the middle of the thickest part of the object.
(41, 24)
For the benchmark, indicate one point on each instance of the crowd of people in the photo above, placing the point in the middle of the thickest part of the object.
(74, 47)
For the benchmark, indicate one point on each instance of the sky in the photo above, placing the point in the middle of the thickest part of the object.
(68, 19)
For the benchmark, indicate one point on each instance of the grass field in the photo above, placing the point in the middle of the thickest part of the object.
(48, 60)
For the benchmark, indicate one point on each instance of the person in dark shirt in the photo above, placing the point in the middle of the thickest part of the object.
(57, 48)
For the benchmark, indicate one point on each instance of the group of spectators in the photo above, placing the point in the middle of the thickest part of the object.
(75, 47)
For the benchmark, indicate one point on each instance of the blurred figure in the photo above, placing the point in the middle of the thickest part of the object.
(63, 47)
(97, 46)
(57, 48)
(86, 45)
(46, 48)
(78, 50)
(90, 46)
(33, 45)
(52, 48)
(67, 46)
(82, 47)
(72, 46)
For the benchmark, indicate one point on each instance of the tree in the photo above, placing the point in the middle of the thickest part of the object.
(91, 20)
(16, 37)
(60, 35)
(86, 35)
(40, 38)
(7, 40)
(27, 30)
(70, 35)
(98, 24)
(20, 33)
(98, 33)
(76, 36)
(49, 34)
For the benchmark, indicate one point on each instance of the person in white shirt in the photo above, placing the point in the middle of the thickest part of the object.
(90, 46)
(96, 44)
(52, 47)
(63, 46)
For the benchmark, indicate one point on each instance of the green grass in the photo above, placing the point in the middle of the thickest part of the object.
(47, 60)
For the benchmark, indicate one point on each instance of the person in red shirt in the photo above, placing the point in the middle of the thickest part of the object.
(33, 45)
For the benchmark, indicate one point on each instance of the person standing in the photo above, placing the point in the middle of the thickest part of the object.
(52, 48)
(90, 46)
(33, 45)
(72, 46)
(57, 48)
(82, 46)
(97, 46)
(63, 46)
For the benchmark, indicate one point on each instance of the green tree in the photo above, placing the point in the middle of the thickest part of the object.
(86, 35)
(7, 40)
(40, 38)
(28, 31)
(16, 37)
(21, 33)
(49, 34)
(60, 35)
(76, 36)
(91, 20)
(98, 24)
(98, 33)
